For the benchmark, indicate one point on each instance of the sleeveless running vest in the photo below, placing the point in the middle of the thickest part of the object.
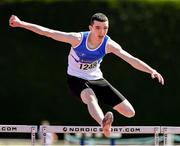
(84, 62)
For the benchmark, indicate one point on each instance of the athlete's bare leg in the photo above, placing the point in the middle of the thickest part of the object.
(89, 98)
(125, 108)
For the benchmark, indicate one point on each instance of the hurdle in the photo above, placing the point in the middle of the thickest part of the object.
(97, 129)
(20, 129)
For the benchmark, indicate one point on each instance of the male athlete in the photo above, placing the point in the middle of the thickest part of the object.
(84, 76)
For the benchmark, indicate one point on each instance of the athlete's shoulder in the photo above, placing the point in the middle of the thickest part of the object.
(77, 38)
(112, 45)
(85, 33)
(80, 36)
(77, 35)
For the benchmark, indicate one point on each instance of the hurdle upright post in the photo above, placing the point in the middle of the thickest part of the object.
(43, 128)
(156, 136)
(164, 131)
(33, 135)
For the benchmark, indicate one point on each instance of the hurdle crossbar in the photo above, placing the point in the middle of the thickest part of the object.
(97, 129)
(170, 130)
(20, 129)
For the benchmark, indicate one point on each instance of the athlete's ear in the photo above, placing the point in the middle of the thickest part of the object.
(90, 27)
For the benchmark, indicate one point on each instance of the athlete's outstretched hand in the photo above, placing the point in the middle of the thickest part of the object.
(14, 21)
(157, 75)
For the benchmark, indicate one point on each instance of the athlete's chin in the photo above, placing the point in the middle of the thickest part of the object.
(100, 37)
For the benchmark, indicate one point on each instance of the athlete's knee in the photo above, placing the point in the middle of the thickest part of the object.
(130, 113)
(125, 108)
(87, 96)
(127, 112)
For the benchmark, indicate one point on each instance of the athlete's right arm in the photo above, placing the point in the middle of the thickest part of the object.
(71, 38)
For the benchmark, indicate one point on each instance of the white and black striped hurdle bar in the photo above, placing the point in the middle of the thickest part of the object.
(20, 129)
(156, 130)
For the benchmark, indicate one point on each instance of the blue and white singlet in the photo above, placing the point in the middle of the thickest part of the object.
(84, 62)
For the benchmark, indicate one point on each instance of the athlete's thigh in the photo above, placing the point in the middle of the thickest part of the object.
(76, 85)
(105, 92)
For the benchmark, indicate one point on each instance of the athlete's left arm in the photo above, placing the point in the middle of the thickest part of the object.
(115, 48)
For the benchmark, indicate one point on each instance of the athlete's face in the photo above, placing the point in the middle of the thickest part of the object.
(99, 29)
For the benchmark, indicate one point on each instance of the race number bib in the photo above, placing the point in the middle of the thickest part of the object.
(86, 66)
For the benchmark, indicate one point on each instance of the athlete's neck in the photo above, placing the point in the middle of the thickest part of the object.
(93, 42)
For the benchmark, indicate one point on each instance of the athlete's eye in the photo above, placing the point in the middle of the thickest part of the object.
(105, 28)
(97, 27)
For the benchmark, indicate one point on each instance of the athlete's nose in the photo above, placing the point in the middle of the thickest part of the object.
(102, 32)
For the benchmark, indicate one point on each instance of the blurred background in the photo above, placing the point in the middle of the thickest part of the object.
(33, 68)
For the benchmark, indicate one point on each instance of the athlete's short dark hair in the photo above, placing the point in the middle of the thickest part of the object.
(98, 17)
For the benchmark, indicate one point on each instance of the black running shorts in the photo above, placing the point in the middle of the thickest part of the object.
(104, 91)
